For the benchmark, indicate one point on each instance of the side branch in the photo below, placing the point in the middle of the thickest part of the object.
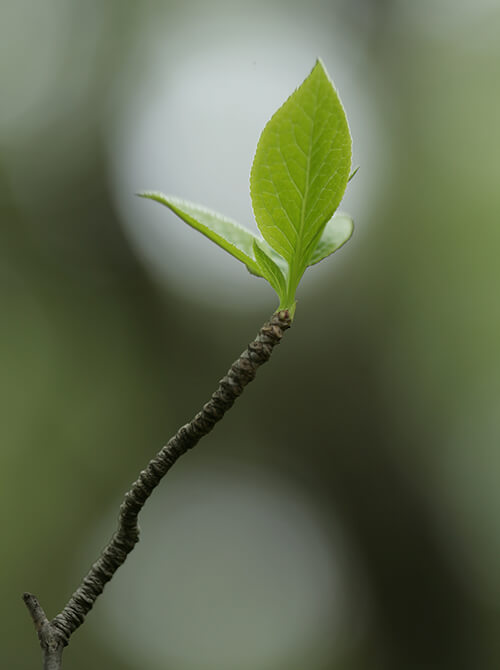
(50, 641)
(126, 536)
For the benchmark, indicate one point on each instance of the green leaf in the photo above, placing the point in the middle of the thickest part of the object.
(270, 270)
(279, 260)
(300, 172)
(299, 175)
(228, 234)
(353, 174)
(336, 233)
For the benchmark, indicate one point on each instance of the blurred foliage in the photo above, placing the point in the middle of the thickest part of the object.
(392, 365)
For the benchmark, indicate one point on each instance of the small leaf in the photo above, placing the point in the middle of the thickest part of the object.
(279, 260)
(353, 174)
(270, 270)
(227, 234)
(336, 233)
(300, 171)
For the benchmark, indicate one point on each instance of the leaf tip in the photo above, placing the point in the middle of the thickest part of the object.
(321, 67)
(152, 195)
(320, 64)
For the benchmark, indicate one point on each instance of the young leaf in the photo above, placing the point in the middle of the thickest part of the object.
(228, 234)
(300, 172)
(336, 233)
(270, 270)
(353, 174)
(279, 260)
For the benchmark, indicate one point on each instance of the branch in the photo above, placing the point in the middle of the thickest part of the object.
(55, 635)
(50, 641)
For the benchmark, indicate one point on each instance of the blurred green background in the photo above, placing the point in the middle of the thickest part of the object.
(345, 514)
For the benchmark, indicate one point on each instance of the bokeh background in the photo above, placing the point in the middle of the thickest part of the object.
(345, 514)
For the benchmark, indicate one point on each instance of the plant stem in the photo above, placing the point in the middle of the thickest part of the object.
(54, 635)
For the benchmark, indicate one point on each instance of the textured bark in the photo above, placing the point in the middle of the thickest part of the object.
(54, 635)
